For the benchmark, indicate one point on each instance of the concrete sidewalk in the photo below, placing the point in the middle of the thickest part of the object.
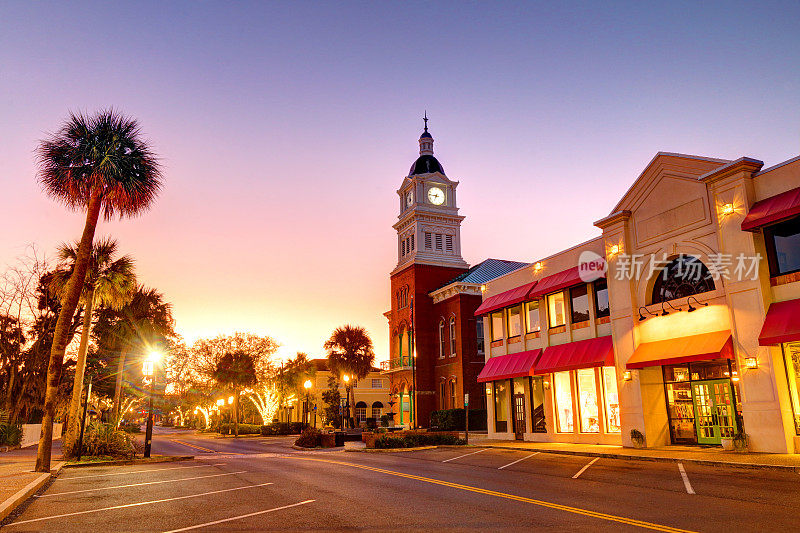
(704, 455)
(18, 481)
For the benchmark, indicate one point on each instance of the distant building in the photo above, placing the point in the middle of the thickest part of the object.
(433, 279)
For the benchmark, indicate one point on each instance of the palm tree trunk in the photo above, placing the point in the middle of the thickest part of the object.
(69, 303)
(236, 412)
(73, 421)
(118, 386)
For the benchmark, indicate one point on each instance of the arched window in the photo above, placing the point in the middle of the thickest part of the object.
(400, 345)
(683, 276)
(443, 395)
(377, 411)
(360, 413)
(442, 340)
(452, 394)
(453, 337)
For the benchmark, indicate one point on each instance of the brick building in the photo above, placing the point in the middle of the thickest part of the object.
(434, 295)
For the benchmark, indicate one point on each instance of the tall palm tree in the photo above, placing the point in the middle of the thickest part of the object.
(109, 283)
(236, 371)
(93, 164)
(350, 352)
(144, 321)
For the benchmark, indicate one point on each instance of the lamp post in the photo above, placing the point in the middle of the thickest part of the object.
(307, 407)
(346, 414)
(149, 371)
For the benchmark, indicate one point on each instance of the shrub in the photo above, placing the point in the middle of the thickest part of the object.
(10, 434)
(309, 438)
(105, 439)
(130, 427)
(244, 429)
(385, 421)
(282, 428)
(417, 439)
(455, 419)
(372, 423)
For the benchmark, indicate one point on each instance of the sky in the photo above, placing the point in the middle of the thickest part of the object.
(285, 129)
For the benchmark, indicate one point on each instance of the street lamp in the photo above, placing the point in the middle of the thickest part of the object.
(149, 371)
(307, 407)
(346, 414)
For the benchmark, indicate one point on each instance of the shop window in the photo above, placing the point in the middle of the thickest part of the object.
(500, 406)
(537, 404)
(514, 322)
(601, 307)
(683, 276)
(579, 303)
(532, 314)
(452, 337)
(442, 340)
(563, 394)
(791, 357)
(611, 400)
(783, 247)
(497, 326)
(555, 310)
(479, 334)
(587, 401)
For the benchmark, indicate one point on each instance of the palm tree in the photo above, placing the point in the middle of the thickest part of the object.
(350, 352)
(144, 321)
(236, 371)
(93, 164)
(109, 283)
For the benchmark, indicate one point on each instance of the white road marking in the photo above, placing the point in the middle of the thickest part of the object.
(140, 484)
(238, 517)
(142, 471)
(133, 505)
(582, 470)
(466, 454)
(518, 460)
(686, 483)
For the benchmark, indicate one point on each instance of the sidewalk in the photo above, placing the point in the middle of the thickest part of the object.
(710, 456)
(18, 481)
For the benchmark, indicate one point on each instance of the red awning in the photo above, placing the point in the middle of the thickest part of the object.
(703, 347)
(505, 299)
(782, 323)
(557, 282)
(773, 209)
(509, 366)
(588, 353)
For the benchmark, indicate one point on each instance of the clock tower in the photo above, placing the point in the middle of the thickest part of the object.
(428, 256)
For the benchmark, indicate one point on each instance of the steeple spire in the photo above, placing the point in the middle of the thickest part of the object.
(426, 139)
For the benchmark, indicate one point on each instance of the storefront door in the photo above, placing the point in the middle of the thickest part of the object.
(519, 416)
(714, 413)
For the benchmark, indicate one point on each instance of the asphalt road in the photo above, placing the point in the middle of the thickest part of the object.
(257, 484)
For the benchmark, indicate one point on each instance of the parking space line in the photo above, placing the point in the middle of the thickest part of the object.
(689, 489)
(143, 471)
(518, 460)
(88, 511)
(239, 517)
(140, 484)
(582, 470)
(465, 455)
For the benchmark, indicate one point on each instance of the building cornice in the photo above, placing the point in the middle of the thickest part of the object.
(743, 164)
(454, 289)
(613, 218)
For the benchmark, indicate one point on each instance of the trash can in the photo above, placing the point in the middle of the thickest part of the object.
(339, 437)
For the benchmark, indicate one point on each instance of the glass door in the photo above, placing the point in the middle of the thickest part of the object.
(714, 412)
(519, 416)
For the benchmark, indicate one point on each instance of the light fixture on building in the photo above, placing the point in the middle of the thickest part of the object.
(546, 385)
(483, 288)
(664, 312)
(727, 209)
(613, 249)
(642, 317)
(692, 308)
(537, 267)
(735, 377)
(488, 391)
(627, 375)
(751, 362)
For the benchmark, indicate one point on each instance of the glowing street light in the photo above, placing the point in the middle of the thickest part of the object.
(307, 405)
(346, 413)
(221, 402)
(230, 400)
(149, 371)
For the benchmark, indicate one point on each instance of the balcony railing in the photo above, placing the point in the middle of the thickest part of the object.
(399, 363)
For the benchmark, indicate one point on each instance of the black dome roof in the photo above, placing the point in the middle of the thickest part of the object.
(426, 164)
(426, 135)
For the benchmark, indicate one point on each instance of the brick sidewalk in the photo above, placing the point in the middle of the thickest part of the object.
(713, 456)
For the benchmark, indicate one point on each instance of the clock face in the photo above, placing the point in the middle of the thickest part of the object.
(436, 195)
(409, 198)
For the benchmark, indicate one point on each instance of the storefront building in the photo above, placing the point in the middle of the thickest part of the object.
(691, 335)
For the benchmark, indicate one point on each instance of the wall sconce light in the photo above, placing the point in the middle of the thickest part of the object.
(664, 312)
(488, 391)
(691, 308)
(537, 267)
(613, 249)
(483, 288)
(627, 375)
(751, 362)
(727, 209)
(641, 316)
(546, 385)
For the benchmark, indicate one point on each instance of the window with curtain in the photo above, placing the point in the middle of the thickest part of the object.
(555, 310)
(514, 321)
(497, 326)
(563, 395)
(611, 400)
(532, 314)
(587, 400)
(452, 337)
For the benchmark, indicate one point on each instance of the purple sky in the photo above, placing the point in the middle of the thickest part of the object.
(285, 130)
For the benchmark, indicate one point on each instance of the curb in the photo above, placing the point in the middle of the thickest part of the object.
(391, 450)
(5, 448)
(7, 507)
(625, 457)
(125, 462)
(328, 450)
